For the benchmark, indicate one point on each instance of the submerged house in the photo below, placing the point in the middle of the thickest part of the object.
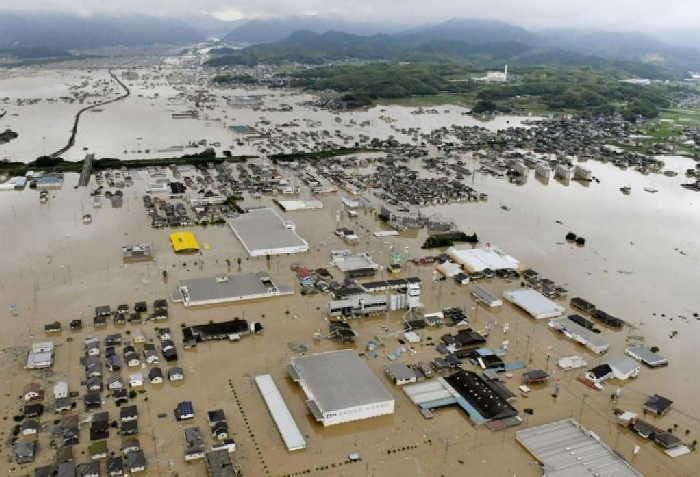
(33, 392)
(658, 405)
(25, 451)
(40, 356)
(401, 374)
(155, 375)
(184, 410)
(136, 461)
(176, 374)
(60, 390)
(194, 444)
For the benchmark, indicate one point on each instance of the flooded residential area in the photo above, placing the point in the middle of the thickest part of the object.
(213, 279)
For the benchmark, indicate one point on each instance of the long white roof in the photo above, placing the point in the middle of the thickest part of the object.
(291, 435)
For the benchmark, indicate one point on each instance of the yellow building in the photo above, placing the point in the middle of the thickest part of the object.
(184, 242)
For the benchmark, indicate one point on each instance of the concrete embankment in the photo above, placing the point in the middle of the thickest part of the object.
(76, 121)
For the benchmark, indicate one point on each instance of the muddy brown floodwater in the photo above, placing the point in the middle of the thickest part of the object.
(56, 268)
(640, 262)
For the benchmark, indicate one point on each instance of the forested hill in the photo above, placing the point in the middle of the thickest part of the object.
(314, 48)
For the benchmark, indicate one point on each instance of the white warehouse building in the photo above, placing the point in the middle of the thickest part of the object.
(263, 232)
(340, 387)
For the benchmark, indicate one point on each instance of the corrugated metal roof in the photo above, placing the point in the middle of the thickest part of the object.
(579, 333)
(566, 449)
(291, 435)
(428, 391)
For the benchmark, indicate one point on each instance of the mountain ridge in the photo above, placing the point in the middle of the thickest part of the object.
(67, 31)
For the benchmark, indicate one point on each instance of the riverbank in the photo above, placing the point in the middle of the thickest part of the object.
(60, 165)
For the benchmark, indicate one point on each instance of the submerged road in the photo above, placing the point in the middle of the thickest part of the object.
(76, 121)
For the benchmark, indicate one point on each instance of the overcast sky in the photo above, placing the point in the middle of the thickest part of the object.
(603, 14)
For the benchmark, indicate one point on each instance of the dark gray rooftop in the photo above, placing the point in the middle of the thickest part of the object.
(219, 464)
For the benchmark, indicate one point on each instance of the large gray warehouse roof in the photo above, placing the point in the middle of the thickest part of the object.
(263, 232)
(230, 288)
(339, 380)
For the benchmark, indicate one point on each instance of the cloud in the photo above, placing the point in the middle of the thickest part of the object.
(602, 14)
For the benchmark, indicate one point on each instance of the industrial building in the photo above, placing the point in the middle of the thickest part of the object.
(482, 295)
(340, 387)
(395, 284)
(578, 333)
(362, 304)
(534, 303)
(365, 304)
(481, 399)
(566, 449)
(291, 435)
(184, 242)
(231, 330)
(480, 259)
(262, 232)
(292, 205)
(228, 289)
(354, 265)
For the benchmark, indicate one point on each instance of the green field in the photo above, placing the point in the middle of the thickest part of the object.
(682, 117)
